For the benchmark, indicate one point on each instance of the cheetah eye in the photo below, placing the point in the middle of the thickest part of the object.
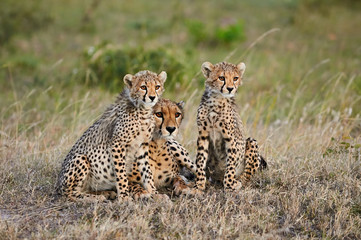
(235, 79)
(143, 87)
(177, 115)
(157, 87)
(221, 78)
(159, 114)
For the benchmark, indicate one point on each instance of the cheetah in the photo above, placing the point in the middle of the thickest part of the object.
(100, 160)
(166, 155)
(223, 154)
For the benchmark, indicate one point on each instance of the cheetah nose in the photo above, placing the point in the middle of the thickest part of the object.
(170, 129)
(230, 89)
(152, 98)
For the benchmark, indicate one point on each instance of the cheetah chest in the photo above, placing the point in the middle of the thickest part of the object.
(162, 164)
(142, 135)
(215, 132)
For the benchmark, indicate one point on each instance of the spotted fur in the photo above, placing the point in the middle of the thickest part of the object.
(100, 160)
(223, 154)
(166, 155)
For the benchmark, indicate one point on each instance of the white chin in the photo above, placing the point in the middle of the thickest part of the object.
(149, 104)
(227, 95)
(168, 136)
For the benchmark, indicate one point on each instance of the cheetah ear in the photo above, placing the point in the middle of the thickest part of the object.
(241, 67)
(181, 104)
(162, 77)
(128, 80)
(207, 68)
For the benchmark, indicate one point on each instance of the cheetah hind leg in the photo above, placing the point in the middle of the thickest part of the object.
(253, 161)
(75, 179)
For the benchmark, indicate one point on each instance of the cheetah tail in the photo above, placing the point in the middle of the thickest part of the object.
(263, 163)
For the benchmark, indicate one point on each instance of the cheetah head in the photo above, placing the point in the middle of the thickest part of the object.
(168, 117)
(224, 78)
(145, 87)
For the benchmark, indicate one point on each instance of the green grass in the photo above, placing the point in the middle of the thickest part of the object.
(300, 100)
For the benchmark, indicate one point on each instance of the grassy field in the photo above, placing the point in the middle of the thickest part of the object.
(301, 99)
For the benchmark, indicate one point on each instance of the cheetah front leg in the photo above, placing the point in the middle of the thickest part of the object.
(142, 157)
(118, 157)
(137, 191)
(181, 155)
(201, 159)
(235, 152)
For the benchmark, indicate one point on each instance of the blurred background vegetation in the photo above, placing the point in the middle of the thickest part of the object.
(302, 56)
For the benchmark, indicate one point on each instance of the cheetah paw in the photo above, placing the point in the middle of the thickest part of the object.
(235, 188)
(111, 195)
(122, 199)
(160, 197)
(194, 192)
(142, 196)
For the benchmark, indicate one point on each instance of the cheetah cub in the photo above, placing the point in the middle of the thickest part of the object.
(166, 155)
(100, 160)
(222, 151)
